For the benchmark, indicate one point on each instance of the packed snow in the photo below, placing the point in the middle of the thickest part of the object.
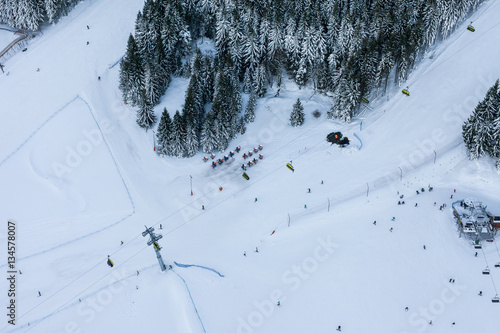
(78, 177)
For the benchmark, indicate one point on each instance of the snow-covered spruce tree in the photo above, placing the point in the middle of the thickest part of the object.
(301, 74)
(496, 138)
(469, 132)
(346, 99)
(248, 82)
(175, 35)
(297, 114)
(28, 14)
(145, 114)
(207, 79)
(260, 81)
(249, 116)
(193, 109)
(251, 48)
(145, 34)
(164, 135)
(226, 103)
(131, 73)
(326, 43)
(208, 138)
(153, 83)
(481, 132)
(192, 144)
(178, 143)
(242, 128)
(51, 8)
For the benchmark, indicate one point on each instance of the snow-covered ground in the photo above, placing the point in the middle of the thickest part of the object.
(78, 176)
(6, 36)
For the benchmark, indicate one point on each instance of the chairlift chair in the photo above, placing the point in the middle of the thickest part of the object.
(406, 92)
(486, 271)
(497, 264)
(495, 299)
(471, 28)
(478, 246)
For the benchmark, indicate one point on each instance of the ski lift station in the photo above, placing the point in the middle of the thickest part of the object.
(474, 221)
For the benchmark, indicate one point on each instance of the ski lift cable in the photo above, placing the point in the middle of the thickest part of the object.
(272, 153)
(157, 222)
(168, 216)
(70, 283)
(498, 252)
(484, 255)
(491, 276)
(465, 46)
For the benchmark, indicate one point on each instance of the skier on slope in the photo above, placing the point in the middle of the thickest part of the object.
(110, 262)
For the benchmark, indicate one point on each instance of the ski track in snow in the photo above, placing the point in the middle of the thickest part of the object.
(207, 268)
(364, 284)
(360, 142)
(192, 301)
(112, 157)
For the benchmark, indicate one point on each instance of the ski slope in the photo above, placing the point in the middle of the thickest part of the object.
(78, 176)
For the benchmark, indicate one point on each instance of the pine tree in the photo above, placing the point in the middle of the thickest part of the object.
(163, 135)
(248, 83)
(29, 14)
(145, 114)
(297, 114)
(194, 103)
(301, 74)
(249, 116)
(207, 79)
(242, 126)
(495, 151)
(208, 138)
(131, 73)
(178, 146)
(192, 144)
(153, 83)
(51, 8)
(260, 81)
(481, 132)
(346, 47)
